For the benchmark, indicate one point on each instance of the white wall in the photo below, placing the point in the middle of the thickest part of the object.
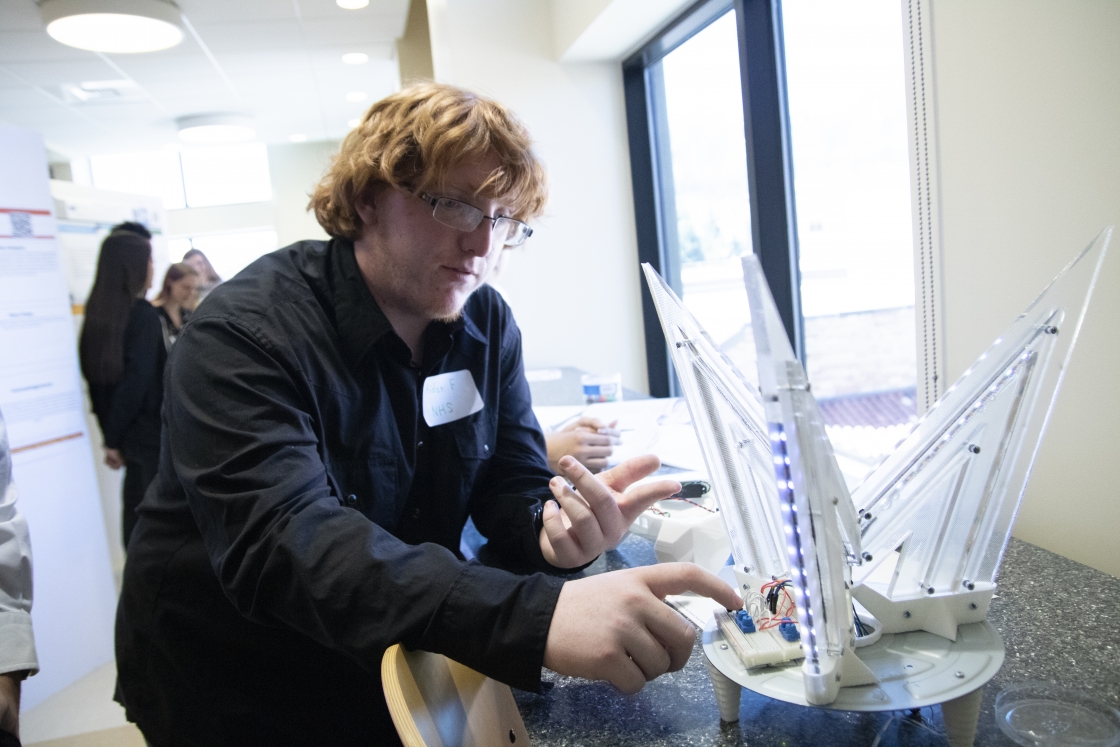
(1029, 130)
(574, 287)
(295, 170)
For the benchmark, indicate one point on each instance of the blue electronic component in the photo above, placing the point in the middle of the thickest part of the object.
(744, 621)
(789, 631)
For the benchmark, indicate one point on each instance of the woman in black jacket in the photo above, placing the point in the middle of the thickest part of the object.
(122, 355)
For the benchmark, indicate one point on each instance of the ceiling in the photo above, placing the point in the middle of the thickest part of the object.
(278, 61)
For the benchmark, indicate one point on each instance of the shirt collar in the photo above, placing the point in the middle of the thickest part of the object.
(360, 321)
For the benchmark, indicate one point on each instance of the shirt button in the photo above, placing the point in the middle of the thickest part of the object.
(351, 499)
(416, 513)
(486, 447)
(419, 444)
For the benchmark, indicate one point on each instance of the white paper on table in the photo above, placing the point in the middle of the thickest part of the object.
(552, 417)
(640, 413)
(674, 445)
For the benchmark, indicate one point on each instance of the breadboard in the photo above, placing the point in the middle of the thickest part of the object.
(760, 649)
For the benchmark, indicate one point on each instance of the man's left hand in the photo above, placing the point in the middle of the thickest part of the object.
(596, 515)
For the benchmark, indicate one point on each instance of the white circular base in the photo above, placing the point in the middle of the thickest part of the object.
(915, 669)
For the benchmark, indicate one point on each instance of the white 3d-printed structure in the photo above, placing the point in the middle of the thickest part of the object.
(945, 499)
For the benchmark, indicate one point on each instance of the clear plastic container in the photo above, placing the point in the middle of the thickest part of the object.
(1042, 714)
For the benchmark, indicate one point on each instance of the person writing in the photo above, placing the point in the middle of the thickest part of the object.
(334, 414)
(122, 353)
(589, 441)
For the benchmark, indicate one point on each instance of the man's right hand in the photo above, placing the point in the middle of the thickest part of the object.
(616, 627)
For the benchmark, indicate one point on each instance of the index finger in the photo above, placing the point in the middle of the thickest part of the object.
(677, 578)
(597, 495)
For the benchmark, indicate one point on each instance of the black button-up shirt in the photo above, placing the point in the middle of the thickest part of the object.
(306, 516)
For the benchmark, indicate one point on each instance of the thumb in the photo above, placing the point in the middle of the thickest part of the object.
(676, 578)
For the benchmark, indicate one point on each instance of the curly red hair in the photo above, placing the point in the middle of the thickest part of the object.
(412, 139)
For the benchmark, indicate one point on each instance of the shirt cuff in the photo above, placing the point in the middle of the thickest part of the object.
(17, 643)
(496, 623)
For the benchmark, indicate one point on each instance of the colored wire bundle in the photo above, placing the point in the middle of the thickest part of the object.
(780, 604)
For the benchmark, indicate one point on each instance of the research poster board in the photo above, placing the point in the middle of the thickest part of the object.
(85, 215)
(41, 399)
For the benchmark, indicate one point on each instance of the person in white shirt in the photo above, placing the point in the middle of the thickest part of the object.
(17, 642)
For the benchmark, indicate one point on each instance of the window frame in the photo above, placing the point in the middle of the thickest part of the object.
(769, 165)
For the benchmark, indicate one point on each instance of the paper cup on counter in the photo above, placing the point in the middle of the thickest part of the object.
(598, 388)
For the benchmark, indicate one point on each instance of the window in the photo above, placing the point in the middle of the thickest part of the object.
(708, 167)
(779, 128)
(845, 70)
(190, 178)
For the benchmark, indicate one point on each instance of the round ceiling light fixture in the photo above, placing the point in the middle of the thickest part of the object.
(355, 58)
(215, 129)
(114, 26)
(352, 4)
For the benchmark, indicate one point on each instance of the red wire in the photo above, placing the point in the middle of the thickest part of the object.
(694, 503)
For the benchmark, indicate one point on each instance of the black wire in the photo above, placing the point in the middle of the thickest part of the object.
(861, 629)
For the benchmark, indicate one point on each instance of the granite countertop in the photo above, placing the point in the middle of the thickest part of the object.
(1060, 622)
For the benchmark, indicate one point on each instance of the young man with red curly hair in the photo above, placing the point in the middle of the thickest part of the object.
(333, 415)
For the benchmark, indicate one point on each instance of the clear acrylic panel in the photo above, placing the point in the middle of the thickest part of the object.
(733, 434)
(817, 512)
(951, 489)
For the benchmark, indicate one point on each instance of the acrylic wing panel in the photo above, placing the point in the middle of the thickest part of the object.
(731, 427)
(952, 488)
(818, 515)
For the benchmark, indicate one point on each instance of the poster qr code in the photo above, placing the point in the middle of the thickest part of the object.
(21, 225)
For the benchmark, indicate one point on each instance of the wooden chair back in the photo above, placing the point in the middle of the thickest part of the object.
(437, 702)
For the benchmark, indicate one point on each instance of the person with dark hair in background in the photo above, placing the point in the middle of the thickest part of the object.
(134, 227)
(208, 278)
(122, 353)
(176, 299)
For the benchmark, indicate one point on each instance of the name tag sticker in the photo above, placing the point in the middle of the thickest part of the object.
(449, 397)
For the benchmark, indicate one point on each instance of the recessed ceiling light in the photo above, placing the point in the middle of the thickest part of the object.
(355, 58)
(352, 123)
(215, 129)
(352, 4)
(116, 26)
(298, 138)
(356, 96)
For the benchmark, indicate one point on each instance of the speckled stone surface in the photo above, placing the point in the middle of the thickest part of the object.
(1060, 622)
